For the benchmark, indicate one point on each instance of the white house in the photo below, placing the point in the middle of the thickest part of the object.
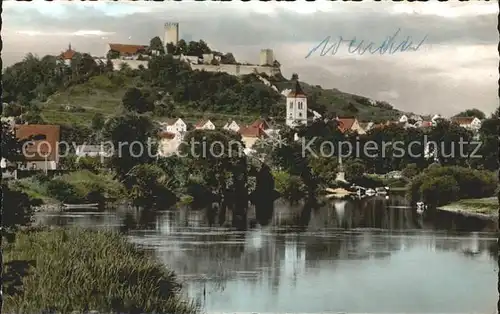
(205, 125)
(435, 118)
(470, 123)
(176, 126)
(417, 118)
(92, 151)
(168, 144)
(403, 119)
(296, 106)
(232, 126)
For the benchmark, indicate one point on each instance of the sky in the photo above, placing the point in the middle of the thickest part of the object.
(454, 69)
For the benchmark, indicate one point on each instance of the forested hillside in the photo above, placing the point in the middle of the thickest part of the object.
(43, 90)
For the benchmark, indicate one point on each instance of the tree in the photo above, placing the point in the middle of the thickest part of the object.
(97, 122)
(228, 58)
(354, 170)
(472, 113)
(156, 45)
(295, 77)
(134, 100)
(410, 171)
(129, 135)
(147, 185)
(16, 205)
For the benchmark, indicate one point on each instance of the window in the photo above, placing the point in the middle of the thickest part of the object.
(291, 105)
(300, 114)
(300, 105)
(33, 166)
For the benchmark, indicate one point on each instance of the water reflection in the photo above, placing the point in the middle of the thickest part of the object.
(370, 255)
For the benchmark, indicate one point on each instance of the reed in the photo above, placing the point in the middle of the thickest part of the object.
(81, 270)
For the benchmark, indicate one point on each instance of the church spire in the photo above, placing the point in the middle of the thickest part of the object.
(69, 47)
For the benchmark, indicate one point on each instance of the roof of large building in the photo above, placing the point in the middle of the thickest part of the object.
(251, 131)
(68, 54)
(127, 49)
(346, 123)
(463, 120)
(50, 135)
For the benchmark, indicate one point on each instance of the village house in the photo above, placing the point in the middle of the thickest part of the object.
(177, 127)
(469, 123)
(231, 126)
(204, 125)
(168, 144)
(350, 124)
(92, 151)
(126, 51)
(67, 56)
(251, 133)
(366, 126)
(42, 153)
(260, 123)
(403, 119)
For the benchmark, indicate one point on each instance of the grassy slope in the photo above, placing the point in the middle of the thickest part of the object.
(486, 206)
(100, 95)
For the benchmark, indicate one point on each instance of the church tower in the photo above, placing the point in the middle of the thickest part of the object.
(296, 106)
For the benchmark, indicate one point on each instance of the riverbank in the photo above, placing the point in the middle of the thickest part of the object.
(79, 270)
(485, 208)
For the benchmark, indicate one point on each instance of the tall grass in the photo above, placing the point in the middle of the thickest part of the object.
(81, 270)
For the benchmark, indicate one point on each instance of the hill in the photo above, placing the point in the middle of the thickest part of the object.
(85, 89)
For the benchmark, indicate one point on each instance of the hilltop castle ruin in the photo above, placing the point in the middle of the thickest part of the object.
(137, 55)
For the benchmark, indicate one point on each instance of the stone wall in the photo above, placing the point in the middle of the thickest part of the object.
(134, 64)
(235, 69)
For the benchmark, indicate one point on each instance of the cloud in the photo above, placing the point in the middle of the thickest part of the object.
(455, 68)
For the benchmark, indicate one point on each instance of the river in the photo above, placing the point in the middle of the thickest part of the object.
(372, 255)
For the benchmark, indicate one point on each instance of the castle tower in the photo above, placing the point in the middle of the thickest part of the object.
(171, 33)
(296, 106)
(266, 57)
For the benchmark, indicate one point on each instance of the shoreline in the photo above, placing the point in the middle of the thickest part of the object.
(483, 208)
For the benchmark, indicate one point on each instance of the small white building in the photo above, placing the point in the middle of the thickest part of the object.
(403, 119)
(469, 123)
(168, 144)
(231, 126)
(92, 151)
(204, 125)
(173, 125)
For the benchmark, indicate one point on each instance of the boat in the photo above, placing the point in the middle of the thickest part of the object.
(381, 190)
(73, 206)
(370, 192)
(421, 207)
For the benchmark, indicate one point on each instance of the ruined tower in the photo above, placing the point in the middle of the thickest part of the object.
(266, 57)
(171, 33)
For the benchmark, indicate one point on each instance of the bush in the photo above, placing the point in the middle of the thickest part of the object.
(291, 188)
(440, 190)
(471, 183)
(410, 171)
(79, 270)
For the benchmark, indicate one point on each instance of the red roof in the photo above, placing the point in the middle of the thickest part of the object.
(166, 135)
(46, 146)
(201, 123)
(250, 131)
(68, 54)
(127, 49)
(346, 123)
(426, 124)
(260, 123)
(463, 120)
